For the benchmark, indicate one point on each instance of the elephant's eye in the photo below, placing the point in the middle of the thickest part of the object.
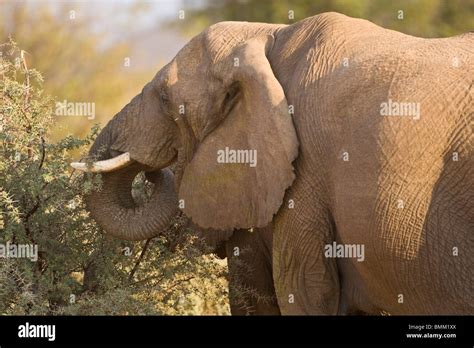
(164, 100)
(231, 97)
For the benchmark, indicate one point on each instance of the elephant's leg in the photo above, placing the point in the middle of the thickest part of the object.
(250, 273)
(306, 282)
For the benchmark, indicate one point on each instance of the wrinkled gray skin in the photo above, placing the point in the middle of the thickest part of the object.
(334, 170)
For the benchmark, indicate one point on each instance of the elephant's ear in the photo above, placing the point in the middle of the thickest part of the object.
(257, 130)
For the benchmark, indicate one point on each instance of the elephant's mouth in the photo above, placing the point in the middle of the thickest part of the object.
(114, 207)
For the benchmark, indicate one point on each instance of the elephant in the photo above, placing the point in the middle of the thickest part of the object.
(352, 143)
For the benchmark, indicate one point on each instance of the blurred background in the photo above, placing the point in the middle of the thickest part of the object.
(105, 51)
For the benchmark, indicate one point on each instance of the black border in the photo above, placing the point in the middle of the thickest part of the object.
(207, 330)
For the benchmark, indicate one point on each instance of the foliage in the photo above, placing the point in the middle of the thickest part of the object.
(425, 18)
(79, 269)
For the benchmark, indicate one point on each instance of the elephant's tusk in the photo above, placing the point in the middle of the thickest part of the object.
(105, 166)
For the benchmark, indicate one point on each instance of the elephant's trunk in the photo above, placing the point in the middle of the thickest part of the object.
(113, 206)
(115, 210)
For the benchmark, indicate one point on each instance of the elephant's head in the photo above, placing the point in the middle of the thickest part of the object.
(217, 102)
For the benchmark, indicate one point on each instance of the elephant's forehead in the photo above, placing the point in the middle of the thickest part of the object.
(187, 62)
